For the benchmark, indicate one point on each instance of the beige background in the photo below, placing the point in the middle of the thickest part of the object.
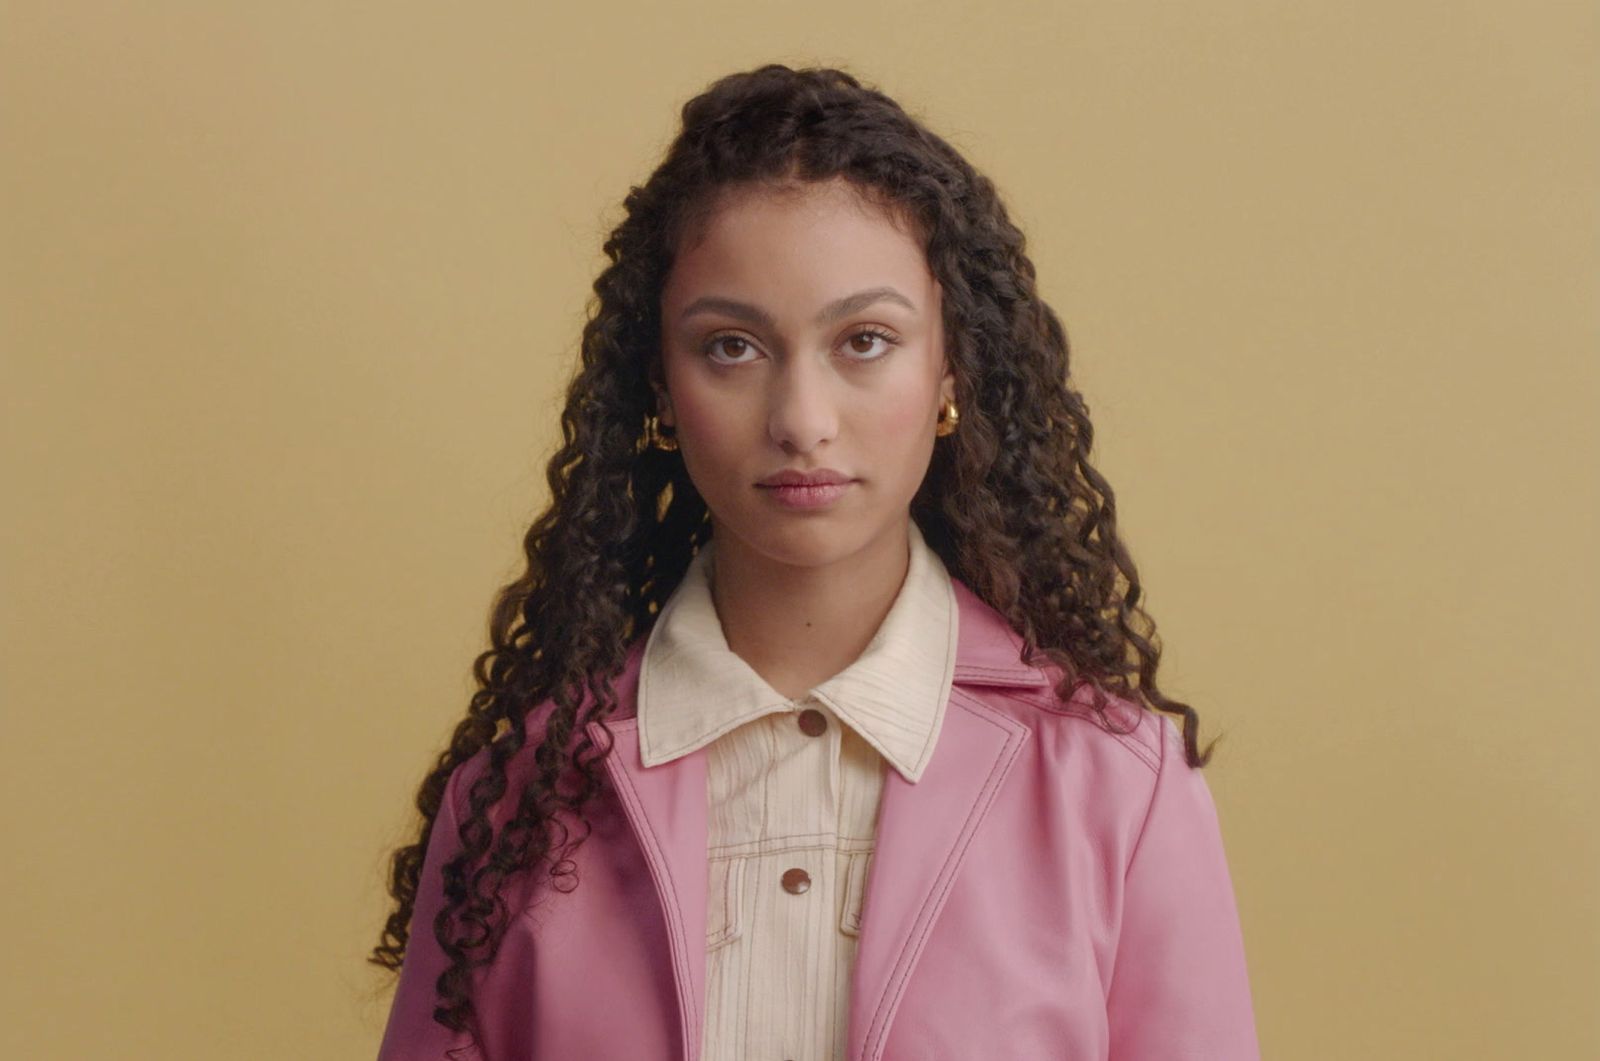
(290, 294)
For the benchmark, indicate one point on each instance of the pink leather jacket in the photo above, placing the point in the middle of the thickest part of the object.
(1048, 889)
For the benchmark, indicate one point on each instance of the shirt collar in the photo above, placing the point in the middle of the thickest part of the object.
(693, 688)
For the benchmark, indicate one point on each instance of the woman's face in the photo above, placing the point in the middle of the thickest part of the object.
(803, 332)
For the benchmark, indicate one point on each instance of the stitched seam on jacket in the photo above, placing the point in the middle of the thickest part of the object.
(1010, 674)
(1143, 825)
(898, 980)
(631, 796)
(1127, 740)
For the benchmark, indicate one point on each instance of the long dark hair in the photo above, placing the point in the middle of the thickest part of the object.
(1010, 502)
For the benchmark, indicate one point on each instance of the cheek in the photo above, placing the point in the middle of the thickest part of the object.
(712, 423)
(899, 426)
(902, 420)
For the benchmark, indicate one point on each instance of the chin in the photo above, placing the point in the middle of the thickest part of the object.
(807, 542)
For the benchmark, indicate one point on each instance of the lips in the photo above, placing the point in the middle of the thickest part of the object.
(813, 498)
(792, 477)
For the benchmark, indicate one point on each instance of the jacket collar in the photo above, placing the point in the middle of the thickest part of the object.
(924, 829)
(893, 694)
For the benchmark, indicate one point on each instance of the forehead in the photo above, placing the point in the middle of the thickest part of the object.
(835, 199)
(823, 234)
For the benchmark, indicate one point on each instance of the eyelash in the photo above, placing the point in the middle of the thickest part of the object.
(879, 333)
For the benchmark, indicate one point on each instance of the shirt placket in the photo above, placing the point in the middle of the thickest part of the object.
(802, 883)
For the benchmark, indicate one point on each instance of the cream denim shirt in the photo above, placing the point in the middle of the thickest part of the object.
(793, 788)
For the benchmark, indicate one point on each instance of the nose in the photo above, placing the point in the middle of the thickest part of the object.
(803, 406)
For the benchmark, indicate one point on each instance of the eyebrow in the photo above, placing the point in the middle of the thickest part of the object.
(839, 307)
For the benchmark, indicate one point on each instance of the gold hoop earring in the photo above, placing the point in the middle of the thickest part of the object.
(948, 418)
(653, 435)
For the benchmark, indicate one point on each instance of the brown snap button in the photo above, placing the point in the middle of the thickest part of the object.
(813, 723)
(796, 880)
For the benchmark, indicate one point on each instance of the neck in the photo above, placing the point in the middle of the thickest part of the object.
(799, 625)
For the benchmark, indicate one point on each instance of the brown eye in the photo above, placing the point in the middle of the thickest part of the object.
(868, 336)
(716, 345)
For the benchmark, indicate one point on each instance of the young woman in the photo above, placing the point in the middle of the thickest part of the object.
(823, 722)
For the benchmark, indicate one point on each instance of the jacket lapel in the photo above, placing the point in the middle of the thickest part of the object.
(923, 836)
(666, 807)
(924, 829)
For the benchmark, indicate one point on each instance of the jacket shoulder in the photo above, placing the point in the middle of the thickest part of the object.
(1121, 727)
(521, 767)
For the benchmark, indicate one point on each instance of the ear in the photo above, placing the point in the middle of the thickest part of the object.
(655, 376)
(947, 382)
(663, 404)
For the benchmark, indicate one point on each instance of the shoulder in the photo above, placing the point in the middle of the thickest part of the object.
(521, 770)
(1118, 733)
(1100, 770)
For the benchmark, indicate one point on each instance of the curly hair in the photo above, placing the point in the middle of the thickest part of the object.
(1010, 502)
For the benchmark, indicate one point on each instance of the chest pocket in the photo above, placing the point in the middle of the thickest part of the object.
(725, 884)
(724, 901)
(855, 892)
